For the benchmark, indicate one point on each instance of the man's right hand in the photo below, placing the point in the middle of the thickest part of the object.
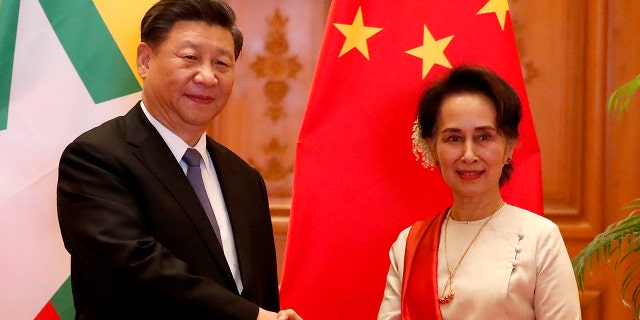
(287, 314)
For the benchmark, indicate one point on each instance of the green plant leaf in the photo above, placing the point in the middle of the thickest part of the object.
(621, 98)
(622, 240)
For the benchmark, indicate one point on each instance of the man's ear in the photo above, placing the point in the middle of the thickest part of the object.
(142, 59)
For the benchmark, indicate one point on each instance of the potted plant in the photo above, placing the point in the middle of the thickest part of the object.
(620, 242)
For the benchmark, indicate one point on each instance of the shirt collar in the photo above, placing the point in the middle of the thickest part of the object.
(174, 142)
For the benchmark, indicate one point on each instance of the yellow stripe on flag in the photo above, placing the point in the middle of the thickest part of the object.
(122, 18)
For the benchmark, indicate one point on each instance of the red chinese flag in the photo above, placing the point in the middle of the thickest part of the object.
(356, 181)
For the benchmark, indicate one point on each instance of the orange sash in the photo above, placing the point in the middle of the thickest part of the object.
(420, 280)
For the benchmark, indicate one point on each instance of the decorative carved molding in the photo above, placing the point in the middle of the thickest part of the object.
(275, 169)
(276, 66)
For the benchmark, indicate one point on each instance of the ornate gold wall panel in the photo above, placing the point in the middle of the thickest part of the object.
(273, 79)
(274, 72)
(276, 67)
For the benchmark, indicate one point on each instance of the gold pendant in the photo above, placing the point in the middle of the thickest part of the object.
(448, 298)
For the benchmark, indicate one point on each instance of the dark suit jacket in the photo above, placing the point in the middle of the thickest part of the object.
(140, 243)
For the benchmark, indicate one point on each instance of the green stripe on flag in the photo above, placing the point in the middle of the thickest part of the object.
(91, 48)
(62, 301)
(8, 27)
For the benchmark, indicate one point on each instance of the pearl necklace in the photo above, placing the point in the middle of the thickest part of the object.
(448, 287)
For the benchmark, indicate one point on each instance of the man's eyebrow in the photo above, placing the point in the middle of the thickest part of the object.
(198, 45)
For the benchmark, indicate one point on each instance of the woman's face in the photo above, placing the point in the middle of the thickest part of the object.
(468, 147)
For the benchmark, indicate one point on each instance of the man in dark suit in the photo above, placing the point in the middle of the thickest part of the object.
(145, 241)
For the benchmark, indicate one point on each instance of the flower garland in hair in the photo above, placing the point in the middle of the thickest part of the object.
(420, 147)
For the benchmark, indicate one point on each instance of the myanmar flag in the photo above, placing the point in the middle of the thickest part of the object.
(356, 183)
(65, 66)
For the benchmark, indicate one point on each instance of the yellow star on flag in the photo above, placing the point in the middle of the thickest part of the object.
(499, 7)
(431, 52)
(356, 35)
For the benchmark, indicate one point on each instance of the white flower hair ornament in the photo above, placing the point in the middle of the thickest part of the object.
(420, 147)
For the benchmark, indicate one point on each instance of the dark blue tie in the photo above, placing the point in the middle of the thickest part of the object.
(192, 158)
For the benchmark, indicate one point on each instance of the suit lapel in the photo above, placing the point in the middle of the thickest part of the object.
(149, 147)
(231, 191)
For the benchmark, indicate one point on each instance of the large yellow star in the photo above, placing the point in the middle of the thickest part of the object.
(431, 52)
(356, 35)
(499, 7)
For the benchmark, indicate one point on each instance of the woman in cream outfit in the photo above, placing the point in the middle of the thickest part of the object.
(489, 260)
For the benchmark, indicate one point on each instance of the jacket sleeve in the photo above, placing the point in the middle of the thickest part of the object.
(556, 292)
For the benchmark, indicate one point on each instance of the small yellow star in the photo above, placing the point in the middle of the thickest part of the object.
(356, 35)
(499, 7)
(431, 52)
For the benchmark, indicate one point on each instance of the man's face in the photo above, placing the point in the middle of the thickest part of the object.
(187, 79)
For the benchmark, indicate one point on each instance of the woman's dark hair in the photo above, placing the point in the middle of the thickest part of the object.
(475, 80)
(160, 18)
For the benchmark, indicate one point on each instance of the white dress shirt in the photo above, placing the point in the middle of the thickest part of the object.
(212, 186)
